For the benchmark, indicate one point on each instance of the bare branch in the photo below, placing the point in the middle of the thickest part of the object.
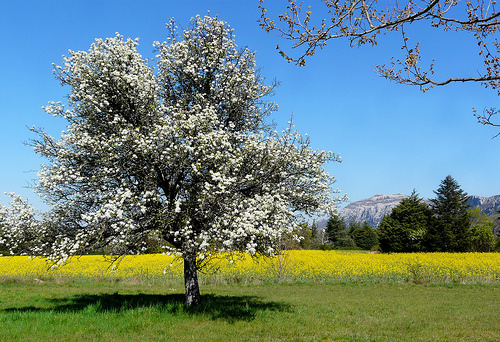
(361, 21)
(486, 117)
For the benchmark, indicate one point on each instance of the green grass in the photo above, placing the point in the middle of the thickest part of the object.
(152, 310)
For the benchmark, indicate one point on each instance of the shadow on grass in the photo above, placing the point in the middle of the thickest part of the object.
(228, 308)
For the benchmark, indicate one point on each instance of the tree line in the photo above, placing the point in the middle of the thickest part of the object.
(448, 224)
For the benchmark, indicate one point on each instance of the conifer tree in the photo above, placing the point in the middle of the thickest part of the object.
(403, 230)
(450, 231)
(365, 236)
(337, 234)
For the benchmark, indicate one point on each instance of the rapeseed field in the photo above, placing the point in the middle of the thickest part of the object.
(290, 265)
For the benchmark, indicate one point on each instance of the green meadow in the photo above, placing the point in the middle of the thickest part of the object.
(65, 309)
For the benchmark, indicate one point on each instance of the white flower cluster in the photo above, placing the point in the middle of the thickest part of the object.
(20, 230)
(181, 155)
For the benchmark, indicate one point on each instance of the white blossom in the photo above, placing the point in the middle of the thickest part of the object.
(179, 152)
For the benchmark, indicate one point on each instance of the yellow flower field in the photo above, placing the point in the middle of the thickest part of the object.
(292, 265)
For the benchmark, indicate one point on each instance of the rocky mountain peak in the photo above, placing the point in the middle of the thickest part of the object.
(373, 209)
(490, 205)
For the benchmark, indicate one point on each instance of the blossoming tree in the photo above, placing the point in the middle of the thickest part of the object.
(178, 151)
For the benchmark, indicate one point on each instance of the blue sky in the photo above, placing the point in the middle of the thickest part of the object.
(392, 138)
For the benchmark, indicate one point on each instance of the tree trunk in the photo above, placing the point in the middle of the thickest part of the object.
(191, 285)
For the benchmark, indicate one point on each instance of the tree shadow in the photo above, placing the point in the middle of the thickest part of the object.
(228, 308)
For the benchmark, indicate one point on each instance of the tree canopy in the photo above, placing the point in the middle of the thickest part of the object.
(450, 230)
(482, 237)
(337, 233)
(176, 149)
(404, 229)
(364, 236)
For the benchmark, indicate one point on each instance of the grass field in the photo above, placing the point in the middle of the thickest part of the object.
(285, 299)
(153, 311)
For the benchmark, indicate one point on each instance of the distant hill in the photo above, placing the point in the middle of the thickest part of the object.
(373, 209)
(490, 205)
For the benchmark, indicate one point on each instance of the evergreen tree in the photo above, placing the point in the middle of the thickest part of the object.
(404, 229)
(353, 225)
(365, 236)
(391, 235)
(450, 231)
(336, 232)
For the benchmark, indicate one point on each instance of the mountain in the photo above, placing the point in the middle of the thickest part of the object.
(371, 210)
(490, 205)
(375, 208)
